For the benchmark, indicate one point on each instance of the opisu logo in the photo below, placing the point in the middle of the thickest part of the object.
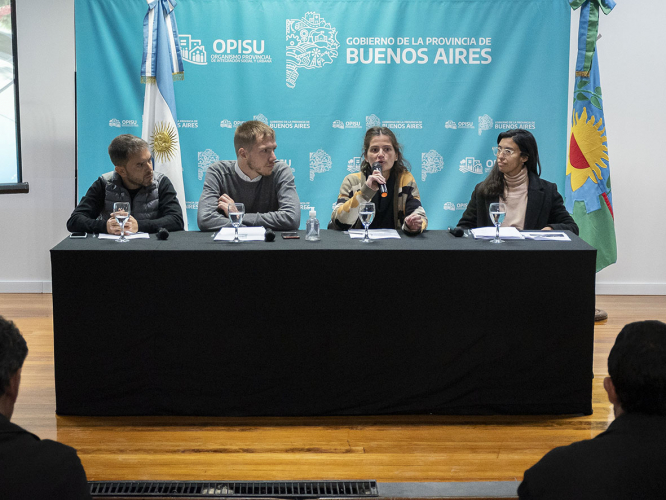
(192, 50)
(354, 165)
(471, 164)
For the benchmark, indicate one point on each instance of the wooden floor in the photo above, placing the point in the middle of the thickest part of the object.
(388, 449)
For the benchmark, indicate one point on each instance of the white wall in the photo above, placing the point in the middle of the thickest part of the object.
(31, 224)
(633, 72)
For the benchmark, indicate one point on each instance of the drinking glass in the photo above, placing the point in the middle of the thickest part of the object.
(236, 213)
(497, 213)
(121, 211)
(367, 214)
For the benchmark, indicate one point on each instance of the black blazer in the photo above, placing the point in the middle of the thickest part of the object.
(545, 207)
(34, 468)
(627, 461)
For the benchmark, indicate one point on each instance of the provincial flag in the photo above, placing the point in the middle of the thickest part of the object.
(588, 185)
(162, 64)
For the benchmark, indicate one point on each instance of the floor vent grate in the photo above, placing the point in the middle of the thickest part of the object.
(245, 489)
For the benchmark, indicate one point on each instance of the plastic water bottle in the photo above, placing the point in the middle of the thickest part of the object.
(312, 227)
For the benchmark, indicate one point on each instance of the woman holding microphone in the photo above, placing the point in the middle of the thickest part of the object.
(385, 180)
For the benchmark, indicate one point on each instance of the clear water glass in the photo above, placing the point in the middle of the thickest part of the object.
(236, 214)
(366, 213)
(497, 213)
(121, 212)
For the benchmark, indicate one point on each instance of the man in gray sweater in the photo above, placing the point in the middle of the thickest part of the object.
(256, 178)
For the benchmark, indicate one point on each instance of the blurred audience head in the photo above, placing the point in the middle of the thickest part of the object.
(13, 351)
(637, 369)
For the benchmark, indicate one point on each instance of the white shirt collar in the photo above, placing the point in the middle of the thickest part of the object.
(245, 177)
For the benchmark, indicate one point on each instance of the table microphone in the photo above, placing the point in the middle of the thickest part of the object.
(162, 234)
(456, 231)
(269, 235)
(382, 187)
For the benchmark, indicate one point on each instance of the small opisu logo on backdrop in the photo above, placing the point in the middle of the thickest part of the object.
(471, 165)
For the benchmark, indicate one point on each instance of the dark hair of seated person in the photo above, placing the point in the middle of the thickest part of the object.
(13, 351)
(493, 185)
(637, 367)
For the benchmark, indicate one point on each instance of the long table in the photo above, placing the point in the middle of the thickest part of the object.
(426, 324)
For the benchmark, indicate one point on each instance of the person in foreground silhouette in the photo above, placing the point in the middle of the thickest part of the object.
(628, 460)
(31, 468)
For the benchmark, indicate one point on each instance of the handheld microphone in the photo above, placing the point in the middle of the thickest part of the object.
(456, 231)
(269, 235)
(382, 187)
(162, 234)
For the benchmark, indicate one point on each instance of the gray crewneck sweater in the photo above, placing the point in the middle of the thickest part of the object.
(271, 202)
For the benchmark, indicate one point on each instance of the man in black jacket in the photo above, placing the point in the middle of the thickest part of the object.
(151, 195)
(628, 460)
(30, 467)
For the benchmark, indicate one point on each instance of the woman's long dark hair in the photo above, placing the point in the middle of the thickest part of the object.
(401, 165)
(494, 183)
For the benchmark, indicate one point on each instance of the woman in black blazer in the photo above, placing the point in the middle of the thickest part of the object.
(532, 203)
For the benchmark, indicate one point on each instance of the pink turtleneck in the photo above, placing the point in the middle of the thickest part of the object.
(515, 198)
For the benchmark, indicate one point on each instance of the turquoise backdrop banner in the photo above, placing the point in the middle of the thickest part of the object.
(445, 75)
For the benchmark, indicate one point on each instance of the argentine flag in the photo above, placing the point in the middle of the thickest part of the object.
(162, 64)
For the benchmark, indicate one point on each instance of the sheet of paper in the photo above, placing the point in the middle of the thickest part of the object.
(129, 236)
(488, 233)
(546, 235)
(255, 233)
(374, 234)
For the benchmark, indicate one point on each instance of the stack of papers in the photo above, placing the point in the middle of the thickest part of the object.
(488, 233)
(546, 235)
(129, 236)
(374, 234)
(255, 233)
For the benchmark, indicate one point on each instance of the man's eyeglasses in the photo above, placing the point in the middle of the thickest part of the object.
(503, 152)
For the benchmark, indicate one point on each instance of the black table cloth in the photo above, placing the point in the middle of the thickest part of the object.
(426, 324)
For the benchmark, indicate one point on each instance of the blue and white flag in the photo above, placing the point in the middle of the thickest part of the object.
(162, 64)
